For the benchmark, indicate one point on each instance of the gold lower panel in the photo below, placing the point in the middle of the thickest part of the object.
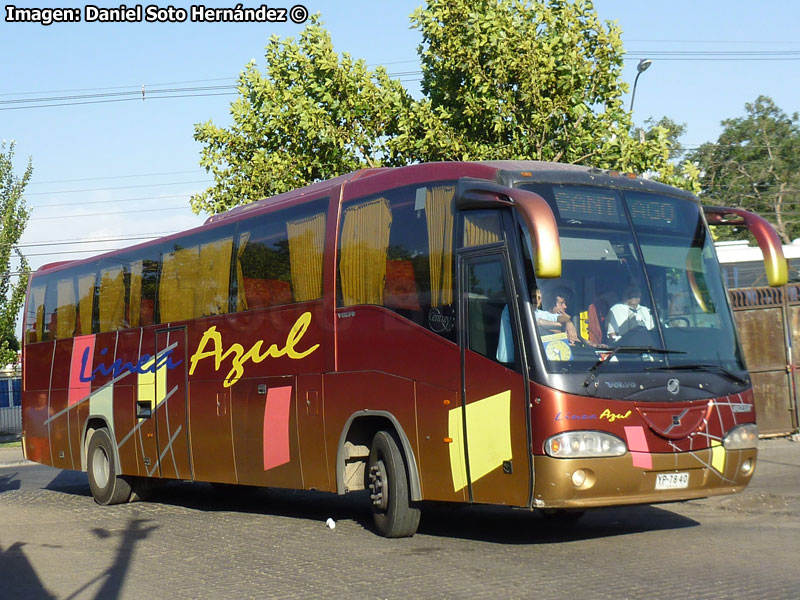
(614, 481)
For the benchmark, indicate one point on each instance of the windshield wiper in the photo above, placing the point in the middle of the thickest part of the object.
(624, 350)
(702, 367)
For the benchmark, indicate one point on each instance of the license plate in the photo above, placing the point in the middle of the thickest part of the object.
(672, 481)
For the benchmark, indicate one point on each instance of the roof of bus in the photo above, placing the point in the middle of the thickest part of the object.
(507, 172)
(737, 251)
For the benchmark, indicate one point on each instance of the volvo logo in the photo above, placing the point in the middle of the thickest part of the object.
(673, 386)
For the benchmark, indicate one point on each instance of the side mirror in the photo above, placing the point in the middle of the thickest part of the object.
(768, 240)
(475, 194)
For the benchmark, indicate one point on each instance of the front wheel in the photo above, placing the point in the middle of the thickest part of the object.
(107, 487)
(392, 512)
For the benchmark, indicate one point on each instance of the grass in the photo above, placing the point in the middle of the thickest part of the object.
(15, 444)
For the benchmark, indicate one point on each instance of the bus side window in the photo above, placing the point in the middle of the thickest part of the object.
(50, 320)
(279, 257)
(194, 280)
(111, 301)
(396, 251)
(34, 320)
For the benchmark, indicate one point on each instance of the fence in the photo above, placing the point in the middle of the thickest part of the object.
(768, 320)
(11, 420)
(10, 409)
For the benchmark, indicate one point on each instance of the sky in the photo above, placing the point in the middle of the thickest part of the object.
(118, 166)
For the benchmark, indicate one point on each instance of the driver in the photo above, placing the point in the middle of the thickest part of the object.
(556, 317)
(554, 320)
(625, 316)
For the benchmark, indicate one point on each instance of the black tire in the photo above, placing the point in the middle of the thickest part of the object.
(107, 487)
(387, 481)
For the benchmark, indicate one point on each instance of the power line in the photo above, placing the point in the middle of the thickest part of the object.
(92, 241)
(145, 198)
(140, 94)
(115, 100)
(104, 214)
(119, 87)
(123, 187)
(142, 235)
(92, 251)
(110, 177)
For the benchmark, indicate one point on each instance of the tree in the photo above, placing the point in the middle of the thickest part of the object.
(674, 131)
(512, 79)
(755, 165)
(311, 116)
(13, 219)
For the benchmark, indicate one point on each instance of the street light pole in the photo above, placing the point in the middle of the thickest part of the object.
(643, 65)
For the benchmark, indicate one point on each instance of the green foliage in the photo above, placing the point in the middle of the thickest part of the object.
(502, 79)
(311, 116)
(755, 164)
(13, 218)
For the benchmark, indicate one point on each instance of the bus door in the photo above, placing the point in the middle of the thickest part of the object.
(494, 437)
(169, 404)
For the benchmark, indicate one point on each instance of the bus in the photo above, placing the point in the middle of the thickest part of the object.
(743, 265)
(381, 331)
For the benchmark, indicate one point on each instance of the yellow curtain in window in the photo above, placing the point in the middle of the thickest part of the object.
(37, 301)
(439, 212)
(480, 230)
(241, 298)
(135, 297)
(214, 278)
(65, 308)
(364, 246)
(112, 299)
(86, 302)
(179, 280)
(306, 248)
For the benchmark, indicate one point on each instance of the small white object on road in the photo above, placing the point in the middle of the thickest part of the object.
(330, 523)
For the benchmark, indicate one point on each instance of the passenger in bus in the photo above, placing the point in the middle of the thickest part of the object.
(628, 315)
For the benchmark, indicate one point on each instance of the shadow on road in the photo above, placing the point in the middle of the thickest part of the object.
(70, 482)
(9, 482)
(484, 523)
(515, 526)
(477, 522)
(17, 572)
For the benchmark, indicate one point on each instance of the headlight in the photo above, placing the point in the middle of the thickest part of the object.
(584, 444)
(741, 437)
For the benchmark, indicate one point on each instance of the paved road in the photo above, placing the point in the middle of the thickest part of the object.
(201, 542)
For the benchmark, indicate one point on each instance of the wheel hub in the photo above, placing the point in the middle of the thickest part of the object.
(377, 478)
(100, 467)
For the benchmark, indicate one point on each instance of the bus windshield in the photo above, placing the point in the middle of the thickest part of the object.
(639, 274)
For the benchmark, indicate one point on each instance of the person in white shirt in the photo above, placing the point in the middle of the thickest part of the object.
(625, 316)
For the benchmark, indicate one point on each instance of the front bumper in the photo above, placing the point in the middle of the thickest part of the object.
(614, 481)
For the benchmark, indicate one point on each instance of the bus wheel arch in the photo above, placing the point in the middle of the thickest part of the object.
(354, 450)
(102, 466)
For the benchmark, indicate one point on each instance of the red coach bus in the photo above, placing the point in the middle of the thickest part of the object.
(381, 331)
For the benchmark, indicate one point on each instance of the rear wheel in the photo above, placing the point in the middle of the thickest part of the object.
(388, 483)
(107, 487)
